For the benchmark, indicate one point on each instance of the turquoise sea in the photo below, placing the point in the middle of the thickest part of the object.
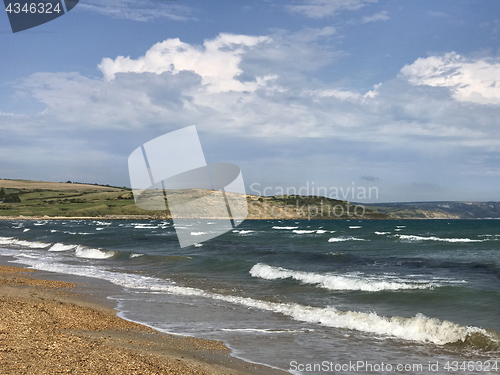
(309, 297)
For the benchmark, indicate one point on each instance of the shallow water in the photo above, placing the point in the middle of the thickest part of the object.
(332, 296)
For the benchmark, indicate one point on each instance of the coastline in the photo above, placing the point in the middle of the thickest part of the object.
(56, 323)
(146, 218)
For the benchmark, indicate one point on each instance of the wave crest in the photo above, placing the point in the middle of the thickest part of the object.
(407, 237)
(333, 282)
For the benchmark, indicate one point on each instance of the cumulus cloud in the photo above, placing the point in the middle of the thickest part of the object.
(326, 8)
(257, 86)
(469, 80)
(261, 99)
(217, 61)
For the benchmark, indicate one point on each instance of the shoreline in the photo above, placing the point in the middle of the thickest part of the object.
(58, 323)
(147, 218)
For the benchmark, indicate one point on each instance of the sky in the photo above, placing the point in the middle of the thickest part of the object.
(399, 96)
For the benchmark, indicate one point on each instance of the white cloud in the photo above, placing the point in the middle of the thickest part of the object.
(257, 87)
(144, 11)
(221, 87)
(380, 16)
(469, 80)
(217, 62)
(326, 8)
(339, 94)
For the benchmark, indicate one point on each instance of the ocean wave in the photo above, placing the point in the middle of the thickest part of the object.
(145, 226)
(302, 231)
(342, 239)
(91, 253)
(243, 231)
(134, 255)
(285, 228)
(61, 247)
(101, 222)
(333, 282)
(410, 238)
(77, 233)
(40, 223)
(419, 328)
(382, 233)
(355, 227)
(10, 241)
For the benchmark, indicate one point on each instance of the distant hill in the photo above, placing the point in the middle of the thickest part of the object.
(440, 210)
(60, 186)
(36, 199)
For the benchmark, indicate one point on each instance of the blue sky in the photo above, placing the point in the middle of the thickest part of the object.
(399, 95)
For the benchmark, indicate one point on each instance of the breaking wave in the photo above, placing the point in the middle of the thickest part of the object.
(90, 253)
(61, 247)
(407, 237)
(10, 241)
(334, 282)
(342, 239)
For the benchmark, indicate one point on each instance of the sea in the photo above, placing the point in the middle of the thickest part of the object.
(308, 297)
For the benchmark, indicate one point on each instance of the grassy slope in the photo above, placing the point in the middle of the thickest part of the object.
(81, 200)
(70, 200)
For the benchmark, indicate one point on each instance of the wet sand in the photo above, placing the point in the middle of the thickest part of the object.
(50, 326)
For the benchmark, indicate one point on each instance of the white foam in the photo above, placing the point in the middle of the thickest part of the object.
(75, 233)
(285, 228)
(262, 330)
(433, 238)
(419, 328)
(382, 233)
(26, 230)
(333, 282)
(342, 239)
(197, 233)
(90, 253)
(145, 226)
(354, 227)
(61, 247)
(303, 231)
(198, 245)
(134, 255)
(102, 222)
(99, 228)
(321, 231)
(23, 243)
(243, 231)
